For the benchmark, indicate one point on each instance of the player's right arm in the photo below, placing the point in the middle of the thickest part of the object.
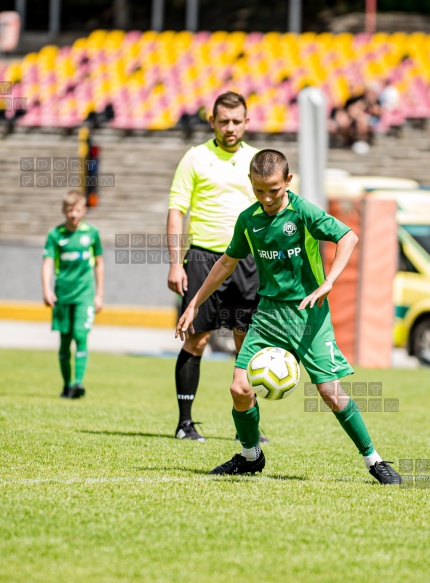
(177, 280)
(49, 296)
(49, 253)
(180, 199)
(222, 269)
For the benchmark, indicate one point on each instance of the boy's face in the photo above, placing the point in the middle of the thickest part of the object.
(271, 192)
(74, 214)
(229, 125)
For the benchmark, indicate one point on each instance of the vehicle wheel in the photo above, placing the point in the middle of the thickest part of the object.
(421, 341)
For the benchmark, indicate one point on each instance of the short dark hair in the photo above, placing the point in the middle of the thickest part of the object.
(231, 100)
(267, 162)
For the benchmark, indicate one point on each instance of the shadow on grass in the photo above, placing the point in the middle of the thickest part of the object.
(265, 476)
(183, 470)
(288, 478)
(126, 433)
(141, 434)
(353, 480)
(206, 472)
(257, 476)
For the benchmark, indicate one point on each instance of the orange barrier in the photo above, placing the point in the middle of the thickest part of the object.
(378, 269)
(362, 299)
(344, 297)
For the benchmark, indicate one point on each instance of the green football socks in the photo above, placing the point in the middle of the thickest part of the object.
(64, 358)
(246, 423)
(353, 423)
(81, 359)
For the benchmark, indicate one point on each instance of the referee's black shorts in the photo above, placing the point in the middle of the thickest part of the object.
(234, 302)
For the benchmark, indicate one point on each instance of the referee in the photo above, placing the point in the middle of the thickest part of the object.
(211, 182)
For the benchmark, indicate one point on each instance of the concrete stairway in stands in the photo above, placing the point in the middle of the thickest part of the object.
(143, 168)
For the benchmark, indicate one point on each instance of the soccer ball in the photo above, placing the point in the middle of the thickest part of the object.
(273, 373)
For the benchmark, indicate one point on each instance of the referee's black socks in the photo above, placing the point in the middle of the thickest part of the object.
(187, 375)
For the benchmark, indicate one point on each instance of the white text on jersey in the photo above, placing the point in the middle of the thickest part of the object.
(279, 254)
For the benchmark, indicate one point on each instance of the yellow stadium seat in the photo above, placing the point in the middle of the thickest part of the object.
(80, 44)
(13, 73)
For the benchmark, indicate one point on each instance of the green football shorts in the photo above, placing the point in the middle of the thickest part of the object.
(306, 333)
(73, 319)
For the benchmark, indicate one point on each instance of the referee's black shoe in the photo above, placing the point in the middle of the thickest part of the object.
(187, 430)
(239, 465)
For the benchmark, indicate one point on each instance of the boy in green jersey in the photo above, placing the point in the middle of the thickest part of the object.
(74, 251)
(283, 231)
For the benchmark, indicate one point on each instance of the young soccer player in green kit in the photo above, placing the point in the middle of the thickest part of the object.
(283, 231)
(74, 251)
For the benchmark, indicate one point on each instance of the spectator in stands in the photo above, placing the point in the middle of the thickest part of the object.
(389, 96)
(97, 119)
(340, 127)
(8, 121)
(189, 122)
(355, 122)
(364, 110)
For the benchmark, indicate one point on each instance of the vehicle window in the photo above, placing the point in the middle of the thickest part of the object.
(421, 234)
(404, 263)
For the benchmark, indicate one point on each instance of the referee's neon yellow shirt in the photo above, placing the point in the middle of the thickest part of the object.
(214, 185)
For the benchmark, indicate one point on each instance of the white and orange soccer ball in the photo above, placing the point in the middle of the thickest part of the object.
(273, 373)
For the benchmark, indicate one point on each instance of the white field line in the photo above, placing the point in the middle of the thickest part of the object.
(26, 481)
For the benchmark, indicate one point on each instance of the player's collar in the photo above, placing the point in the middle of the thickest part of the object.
(81, 227)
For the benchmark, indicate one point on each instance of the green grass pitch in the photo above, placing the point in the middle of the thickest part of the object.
(98, 491)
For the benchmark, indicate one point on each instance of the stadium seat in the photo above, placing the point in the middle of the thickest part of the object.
(153, 78)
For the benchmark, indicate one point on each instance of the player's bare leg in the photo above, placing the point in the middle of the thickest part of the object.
(351, 420)
(239, 337)
(246, 417)
(241, 391)
(195, 344)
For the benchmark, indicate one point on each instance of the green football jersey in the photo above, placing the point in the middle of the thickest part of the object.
(74, 255)
(286, 246)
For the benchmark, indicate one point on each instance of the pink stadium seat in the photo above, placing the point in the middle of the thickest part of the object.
(133, 36)
(32, 118)
(151, 78)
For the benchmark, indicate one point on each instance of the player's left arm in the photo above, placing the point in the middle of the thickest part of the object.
(99, 272)
(344, 248)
